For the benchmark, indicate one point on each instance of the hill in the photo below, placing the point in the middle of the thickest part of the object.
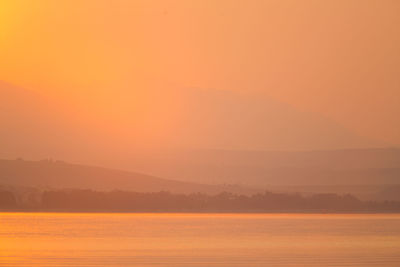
(380, 166)
(36, 126)
(57, 174)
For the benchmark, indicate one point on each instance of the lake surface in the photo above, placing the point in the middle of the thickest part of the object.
(73, 239)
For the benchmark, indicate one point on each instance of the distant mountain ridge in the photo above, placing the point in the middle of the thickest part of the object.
(58, 174)
(39, 126)
(378, 166)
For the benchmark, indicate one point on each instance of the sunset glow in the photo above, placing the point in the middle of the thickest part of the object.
(98, 53)
(200, 133)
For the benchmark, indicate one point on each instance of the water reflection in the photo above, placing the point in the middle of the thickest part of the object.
(62, 239)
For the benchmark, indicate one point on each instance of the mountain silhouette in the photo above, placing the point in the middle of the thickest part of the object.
(378, 166)
(35, 126)
(57, 174)
(194, 135)
(229, 120)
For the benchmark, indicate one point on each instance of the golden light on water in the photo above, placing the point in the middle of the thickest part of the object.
(213, 239)
(289, 106)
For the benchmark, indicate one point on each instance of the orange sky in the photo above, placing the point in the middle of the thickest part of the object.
(340, 59)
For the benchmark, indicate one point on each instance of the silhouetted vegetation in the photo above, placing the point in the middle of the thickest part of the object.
(123, 201)
(7, 200)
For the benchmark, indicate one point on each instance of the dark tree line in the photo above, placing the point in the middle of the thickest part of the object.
(87, 200)
(123, 201)
(7, 200)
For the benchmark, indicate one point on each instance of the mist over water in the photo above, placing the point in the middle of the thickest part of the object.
(65, 239)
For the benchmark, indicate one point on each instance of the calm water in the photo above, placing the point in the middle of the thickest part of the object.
(198, 240)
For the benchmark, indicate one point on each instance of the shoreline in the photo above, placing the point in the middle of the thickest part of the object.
(204, 212)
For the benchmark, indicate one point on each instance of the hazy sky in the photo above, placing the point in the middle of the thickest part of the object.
(339, 59)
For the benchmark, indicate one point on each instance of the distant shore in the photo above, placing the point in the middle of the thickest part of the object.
(199, 212)
(89, 201)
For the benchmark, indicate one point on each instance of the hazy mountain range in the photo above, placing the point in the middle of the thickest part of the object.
(28, 178)
(37, 126)
(57, 174)
(265, 168)
(217, 137)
